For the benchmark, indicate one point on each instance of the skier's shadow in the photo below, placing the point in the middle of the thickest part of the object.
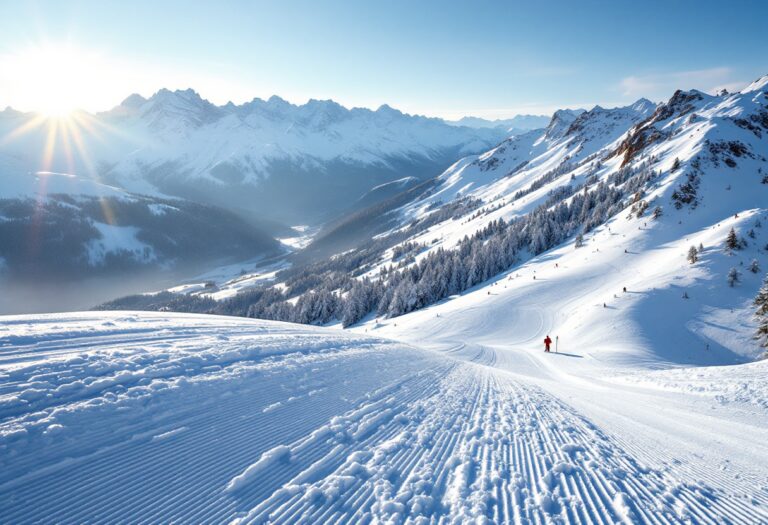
(567, 354)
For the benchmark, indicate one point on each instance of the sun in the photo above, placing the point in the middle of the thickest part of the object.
(55, 108)
(56, 79)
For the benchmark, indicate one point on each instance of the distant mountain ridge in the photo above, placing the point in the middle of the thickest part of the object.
(250, 157)
(517, 123)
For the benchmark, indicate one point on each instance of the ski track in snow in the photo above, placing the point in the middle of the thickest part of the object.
(118, 417)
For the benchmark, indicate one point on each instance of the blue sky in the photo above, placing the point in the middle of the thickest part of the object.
(441, 58)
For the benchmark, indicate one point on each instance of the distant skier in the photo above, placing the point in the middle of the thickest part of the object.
(547, 342)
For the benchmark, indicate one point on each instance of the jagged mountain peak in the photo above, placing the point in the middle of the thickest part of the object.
(276, 100)
(168, 109)
(133, 101)
(388, 110)
(561, 121)
(600, 117)
(168, 94)
(643, 105)
(761, 84)
(323, 104)
(187, 99)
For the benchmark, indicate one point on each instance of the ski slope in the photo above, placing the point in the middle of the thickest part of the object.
(159, 417)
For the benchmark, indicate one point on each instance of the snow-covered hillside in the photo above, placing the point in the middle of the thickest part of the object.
(249, 158)
(183, 418)
(637, 188)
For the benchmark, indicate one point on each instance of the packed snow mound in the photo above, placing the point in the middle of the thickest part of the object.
(729, 385)
(188, 418)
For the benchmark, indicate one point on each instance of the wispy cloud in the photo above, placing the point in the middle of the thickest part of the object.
(535, 108)
(662, 85)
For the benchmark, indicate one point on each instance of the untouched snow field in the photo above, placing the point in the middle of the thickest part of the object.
(154, 417)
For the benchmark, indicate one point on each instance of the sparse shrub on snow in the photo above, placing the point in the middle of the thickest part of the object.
(732, 241)
(734, 277)
(693, 255)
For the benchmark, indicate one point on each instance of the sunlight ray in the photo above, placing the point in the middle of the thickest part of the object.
(101, 130)
(28, 126)
(50, 144)
(66, 146)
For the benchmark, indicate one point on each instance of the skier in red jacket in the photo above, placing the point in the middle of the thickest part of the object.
(547, 342)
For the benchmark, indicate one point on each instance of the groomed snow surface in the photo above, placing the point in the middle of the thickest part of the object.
(174, 418)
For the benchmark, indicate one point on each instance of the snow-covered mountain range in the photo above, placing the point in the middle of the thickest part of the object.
(89, 187)
(250, 157)
(635, 186)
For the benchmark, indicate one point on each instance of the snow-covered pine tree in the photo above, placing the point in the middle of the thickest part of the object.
(761, 314)
(693, 255)
(734, 277)
(732, 240)
(754, 266)
(579, 241)
(658, 211)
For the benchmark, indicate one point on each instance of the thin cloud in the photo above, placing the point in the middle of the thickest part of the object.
(545, 109)
(662, 85)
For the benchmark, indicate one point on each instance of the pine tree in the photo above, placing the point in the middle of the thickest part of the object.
(761, 314)
(754, 266)
(579, 241)
(701, 247)
(732, 241)
(734, 277)
(693, 255)
(658, 211)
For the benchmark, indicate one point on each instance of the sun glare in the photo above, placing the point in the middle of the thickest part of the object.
(55, 78)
